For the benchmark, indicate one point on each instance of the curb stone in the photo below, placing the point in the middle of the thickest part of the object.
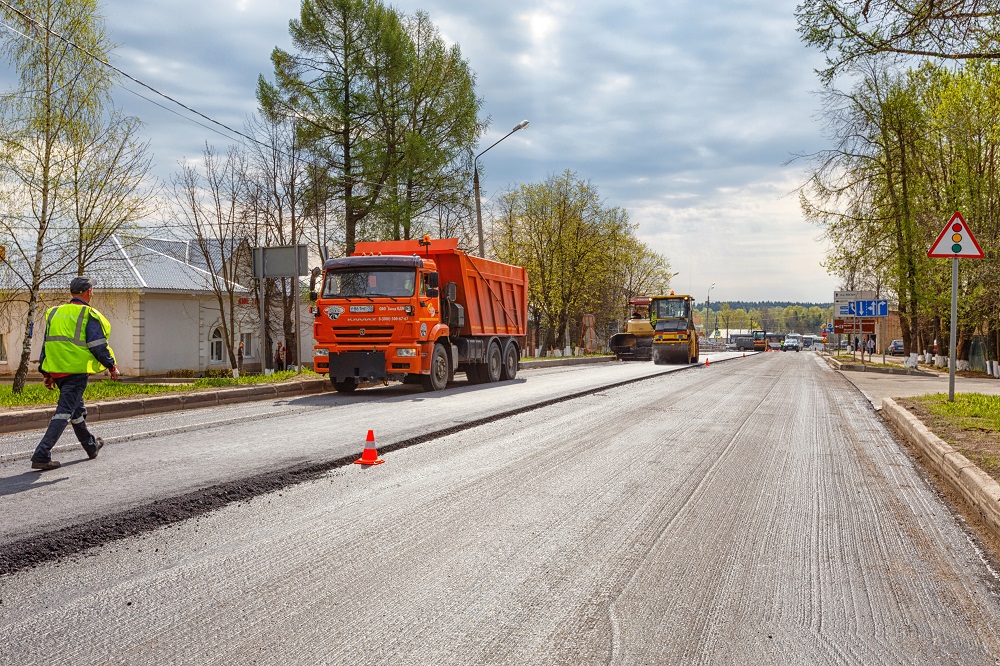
(34, 419)
(977, 487)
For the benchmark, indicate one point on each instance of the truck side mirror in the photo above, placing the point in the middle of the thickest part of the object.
(450, 291)
(313, 276)
(432, 280)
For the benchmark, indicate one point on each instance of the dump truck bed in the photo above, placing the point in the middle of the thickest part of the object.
(494, 294)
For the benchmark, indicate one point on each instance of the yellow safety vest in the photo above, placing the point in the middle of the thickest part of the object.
(66, 346)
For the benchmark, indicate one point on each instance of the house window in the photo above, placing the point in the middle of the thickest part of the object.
(3, 347)
(247, 340)
(215, 346)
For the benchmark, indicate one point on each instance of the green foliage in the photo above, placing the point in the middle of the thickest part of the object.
(970, 411)
(37, 394)
(382, 100)
(910, 150)
(581, 255)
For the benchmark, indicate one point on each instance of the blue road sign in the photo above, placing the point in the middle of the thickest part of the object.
(877, 308)
(846, 309)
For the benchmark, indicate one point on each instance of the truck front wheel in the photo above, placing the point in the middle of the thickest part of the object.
(494, 363)
(438, 378)
(346, 386)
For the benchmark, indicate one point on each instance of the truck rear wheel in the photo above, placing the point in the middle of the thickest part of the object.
(510, 360)
(438, 378)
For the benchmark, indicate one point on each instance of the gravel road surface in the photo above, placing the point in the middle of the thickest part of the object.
(751, 512)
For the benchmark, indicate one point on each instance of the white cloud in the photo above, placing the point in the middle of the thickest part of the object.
(681, 112)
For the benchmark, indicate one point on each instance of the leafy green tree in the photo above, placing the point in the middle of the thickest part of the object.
(432, 121)
(384, 104)
(581, 255)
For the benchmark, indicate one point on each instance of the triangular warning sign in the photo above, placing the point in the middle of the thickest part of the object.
(956, 240)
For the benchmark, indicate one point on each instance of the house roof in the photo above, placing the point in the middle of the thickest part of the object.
(148, 265)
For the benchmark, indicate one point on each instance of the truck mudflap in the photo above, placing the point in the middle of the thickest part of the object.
(362, 365)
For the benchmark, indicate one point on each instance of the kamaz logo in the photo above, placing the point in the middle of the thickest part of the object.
(334, 311)
(361, 332)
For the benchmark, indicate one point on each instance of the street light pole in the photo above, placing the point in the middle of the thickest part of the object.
(708, 308)
(475, 184)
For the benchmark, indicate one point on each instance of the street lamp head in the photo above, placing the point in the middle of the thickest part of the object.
(520, 126)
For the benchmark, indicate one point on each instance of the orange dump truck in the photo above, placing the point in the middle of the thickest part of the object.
(418, 311)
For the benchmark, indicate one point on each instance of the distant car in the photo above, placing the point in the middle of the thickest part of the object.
(791, 344)
(895, 348)
(775, 346)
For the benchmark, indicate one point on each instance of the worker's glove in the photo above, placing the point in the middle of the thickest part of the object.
(49, 383)
(114, 373)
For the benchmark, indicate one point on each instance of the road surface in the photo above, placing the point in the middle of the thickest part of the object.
(754, 511)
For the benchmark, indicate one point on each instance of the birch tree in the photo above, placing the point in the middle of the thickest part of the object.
(71, 169)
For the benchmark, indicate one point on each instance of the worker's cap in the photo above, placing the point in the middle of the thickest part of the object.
(80, 284)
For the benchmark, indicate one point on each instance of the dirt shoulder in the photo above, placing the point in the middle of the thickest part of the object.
(981, 447)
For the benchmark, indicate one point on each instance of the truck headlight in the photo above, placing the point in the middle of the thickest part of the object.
(406, 352)
(321, 352)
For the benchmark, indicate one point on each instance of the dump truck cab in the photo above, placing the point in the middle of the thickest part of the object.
(379, 312)
(675, 339)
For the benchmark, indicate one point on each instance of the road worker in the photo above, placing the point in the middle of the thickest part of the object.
(76, 346)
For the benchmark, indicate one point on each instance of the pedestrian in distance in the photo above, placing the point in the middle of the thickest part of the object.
(239, 359)
(75, 347)
(871, 348)
(279, 357)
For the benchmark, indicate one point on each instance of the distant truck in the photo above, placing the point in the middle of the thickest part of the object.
(418, 311)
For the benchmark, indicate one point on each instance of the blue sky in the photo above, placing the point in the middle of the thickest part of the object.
(681, 112)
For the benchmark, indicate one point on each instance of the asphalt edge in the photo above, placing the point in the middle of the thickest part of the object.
(978, 488)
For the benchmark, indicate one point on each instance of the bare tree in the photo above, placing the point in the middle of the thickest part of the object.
(212, 211)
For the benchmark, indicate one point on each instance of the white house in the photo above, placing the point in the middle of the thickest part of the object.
(165, 317)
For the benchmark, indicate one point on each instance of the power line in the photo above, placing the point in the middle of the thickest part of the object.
(93, 56)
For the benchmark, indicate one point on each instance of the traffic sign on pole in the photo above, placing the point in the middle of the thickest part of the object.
(956, 240)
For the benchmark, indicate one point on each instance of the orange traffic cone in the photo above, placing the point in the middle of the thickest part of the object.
(370, 455)
(707, 363)
(744, 354)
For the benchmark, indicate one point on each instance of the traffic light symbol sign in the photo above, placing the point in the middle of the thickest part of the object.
(956, 240)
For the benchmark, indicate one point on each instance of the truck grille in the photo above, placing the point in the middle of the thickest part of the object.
(372, 335)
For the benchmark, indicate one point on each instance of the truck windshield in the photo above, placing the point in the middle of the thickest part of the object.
(369, 282)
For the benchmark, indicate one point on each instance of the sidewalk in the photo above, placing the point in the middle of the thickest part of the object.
(878, 383)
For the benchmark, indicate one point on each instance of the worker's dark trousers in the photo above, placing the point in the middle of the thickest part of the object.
(69, 410)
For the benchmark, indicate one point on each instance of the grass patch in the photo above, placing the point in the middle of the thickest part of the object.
(35, 393)
(969, 411)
